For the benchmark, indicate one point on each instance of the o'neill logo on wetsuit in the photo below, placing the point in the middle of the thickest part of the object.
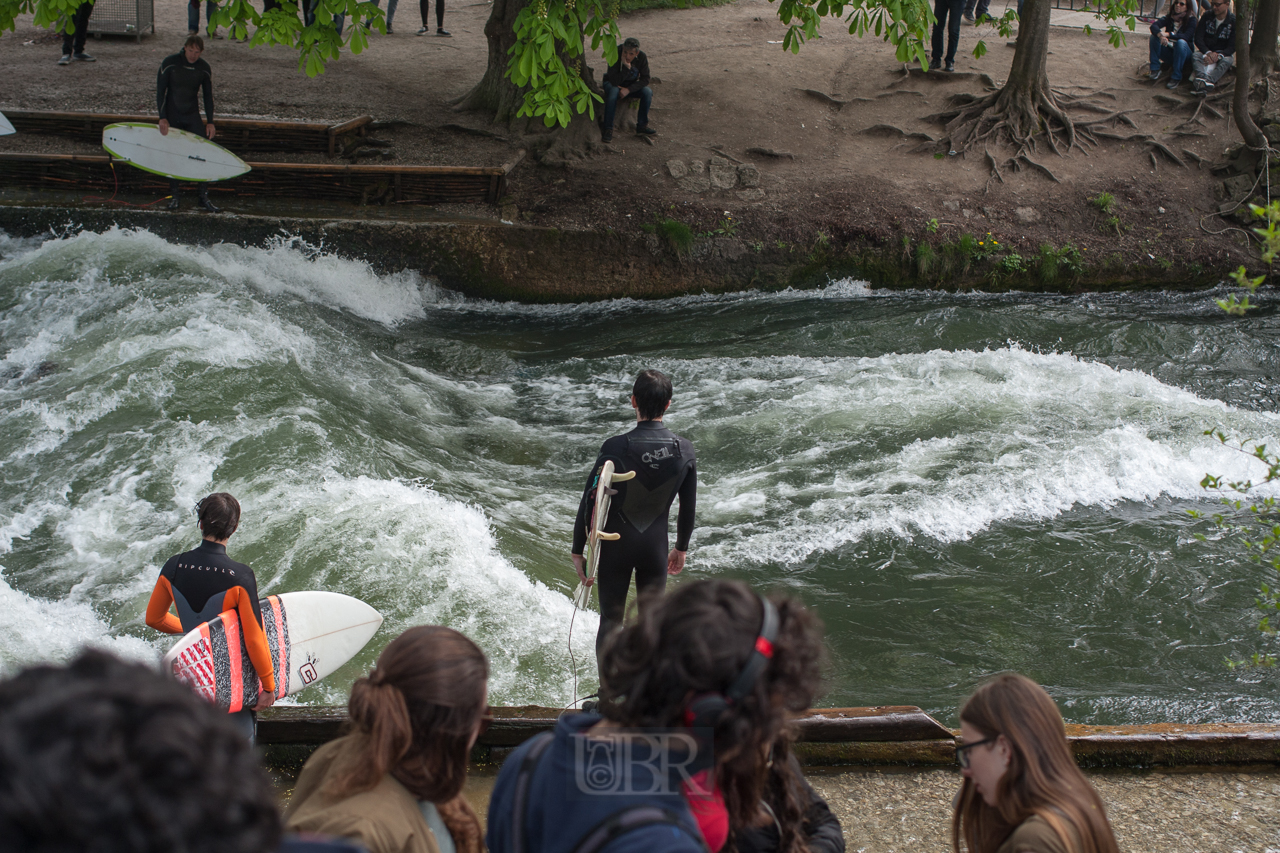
(653, 457)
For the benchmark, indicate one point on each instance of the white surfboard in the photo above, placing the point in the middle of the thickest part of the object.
(596, 532)
(6, 126)
(180, 155)
(310, 635)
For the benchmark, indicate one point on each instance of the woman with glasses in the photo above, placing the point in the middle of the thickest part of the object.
(1022, 792)
(394, 782)
(1172, 40)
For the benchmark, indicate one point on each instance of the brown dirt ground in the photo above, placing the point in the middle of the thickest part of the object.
(722, 84)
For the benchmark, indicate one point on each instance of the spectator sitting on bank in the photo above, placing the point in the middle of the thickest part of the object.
(1215, 46)
(1172, 39)
(73, 43)
(703, 682)
(1022, 790)
(789, 800)
(627, 80)
(114, 757)
(394, 783)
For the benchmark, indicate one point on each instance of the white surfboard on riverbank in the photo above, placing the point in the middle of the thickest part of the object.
(179, 154)
(6, 126)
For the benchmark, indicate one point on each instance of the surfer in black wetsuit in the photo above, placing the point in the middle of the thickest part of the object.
(183, 77)
(203, 583)
(665, 468)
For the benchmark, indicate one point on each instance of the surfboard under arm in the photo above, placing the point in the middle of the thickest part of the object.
(597, 534)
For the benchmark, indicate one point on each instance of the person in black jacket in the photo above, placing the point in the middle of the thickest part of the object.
(183, 77)
(1172, 39)
(793, 813)
(665, 469)
(1215, 46)
(627, 79)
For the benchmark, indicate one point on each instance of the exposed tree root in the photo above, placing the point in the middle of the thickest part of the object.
(995, 170)
(1193, 156)
(769, 152)
(1023, 158)
(825, 98)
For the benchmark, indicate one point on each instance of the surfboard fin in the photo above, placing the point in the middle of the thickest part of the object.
(608, 537)
(623, 477)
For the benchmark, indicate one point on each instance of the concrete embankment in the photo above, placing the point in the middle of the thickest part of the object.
(486, 259)
(889, 774)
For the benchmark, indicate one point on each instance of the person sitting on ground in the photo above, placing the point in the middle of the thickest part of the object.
(114, 757)
(1172, 39)
(183, 77)
(704, 683)
(1022, 791)
(394, 783)
(789, 800)
(627, 80)
(1215, 46)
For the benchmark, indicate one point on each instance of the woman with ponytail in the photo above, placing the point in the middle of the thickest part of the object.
(1022, 792)
(394, 782)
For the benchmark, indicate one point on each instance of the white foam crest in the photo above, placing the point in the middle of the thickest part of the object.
(421, 558)
(312, 273)
(34, 630)
(1018, 435)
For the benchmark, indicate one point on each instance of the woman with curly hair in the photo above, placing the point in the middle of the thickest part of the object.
(1023, 792)
(696, 698)
(394, 783)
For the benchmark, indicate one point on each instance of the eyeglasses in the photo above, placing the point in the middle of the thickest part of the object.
(962, 751)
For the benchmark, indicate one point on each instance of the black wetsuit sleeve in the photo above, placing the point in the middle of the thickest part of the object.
(206, 85)
(162, 90)
(688, 503)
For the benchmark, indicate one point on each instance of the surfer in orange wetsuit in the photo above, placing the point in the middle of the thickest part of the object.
(204, 583)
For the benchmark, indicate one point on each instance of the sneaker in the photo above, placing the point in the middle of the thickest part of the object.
(1013, 43)
(193, 32)
(647, 130)
(1197, 86)
(389, 29)
(606, 137)
(84, 57)
(441, 31)
(935, 64)
(1208, 87)
(1173, 84)
(422, 32)
(968, 16)
(217, 34)
(65, 60)
(951, 66)
(1153, 76)
(208, 205)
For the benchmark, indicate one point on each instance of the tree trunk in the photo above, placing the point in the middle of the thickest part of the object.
(1253, 137)
(1028, 82)
(496, 95)
(1266, 29)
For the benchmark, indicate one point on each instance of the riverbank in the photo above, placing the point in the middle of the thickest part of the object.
(702, 206)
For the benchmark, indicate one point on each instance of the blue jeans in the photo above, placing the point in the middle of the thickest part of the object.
(391, 8)
(193, 14)
(1176, 52)
(611, 93)
(941, 9)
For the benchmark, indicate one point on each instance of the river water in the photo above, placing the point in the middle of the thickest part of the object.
(958, 484)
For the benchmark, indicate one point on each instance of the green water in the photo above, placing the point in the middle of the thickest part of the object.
(958, 484)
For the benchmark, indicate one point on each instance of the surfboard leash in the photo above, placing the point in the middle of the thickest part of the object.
(113, 200)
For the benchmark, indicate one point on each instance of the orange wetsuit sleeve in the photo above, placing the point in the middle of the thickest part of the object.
(158, 615)
(255, 639)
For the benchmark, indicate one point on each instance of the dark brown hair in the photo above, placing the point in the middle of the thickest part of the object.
(418, 709)
(219, 515)
(1042, 777)
(193, 39)
(697, 641)
(652, 391)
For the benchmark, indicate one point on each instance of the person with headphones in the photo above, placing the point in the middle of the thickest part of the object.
(696, 698)
(203, 583)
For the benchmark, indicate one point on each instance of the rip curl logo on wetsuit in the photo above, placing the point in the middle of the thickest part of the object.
(653, 457)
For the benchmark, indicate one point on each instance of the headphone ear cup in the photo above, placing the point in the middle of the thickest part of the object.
(705, 711)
